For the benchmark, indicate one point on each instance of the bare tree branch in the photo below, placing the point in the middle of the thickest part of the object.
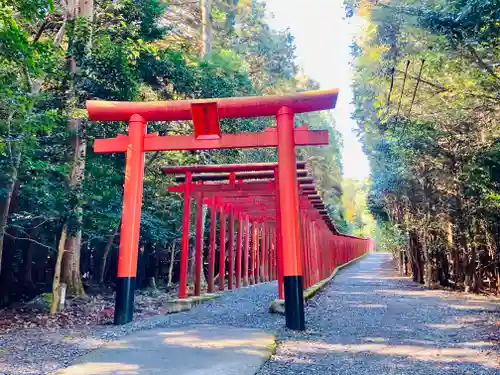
(30, 240)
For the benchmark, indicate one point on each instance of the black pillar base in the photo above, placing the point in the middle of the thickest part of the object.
(294, 303)
(124, 301)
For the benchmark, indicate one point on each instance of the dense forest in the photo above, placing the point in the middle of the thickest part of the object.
(56, 195)
(426, 94)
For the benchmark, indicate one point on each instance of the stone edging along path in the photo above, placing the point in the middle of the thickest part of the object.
(278, 305)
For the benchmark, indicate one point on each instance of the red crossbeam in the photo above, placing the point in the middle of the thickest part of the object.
(227, 107)
(225, 168)
(268, 138)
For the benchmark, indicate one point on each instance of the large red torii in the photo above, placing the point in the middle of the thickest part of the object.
(206, 114)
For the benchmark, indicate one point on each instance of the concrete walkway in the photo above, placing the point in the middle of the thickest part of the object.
(201, 350)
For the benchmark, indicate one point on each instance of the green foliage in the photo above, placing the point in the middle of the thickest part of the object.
(355, 205)
(388, 238)
(431, 132)
(131, 50)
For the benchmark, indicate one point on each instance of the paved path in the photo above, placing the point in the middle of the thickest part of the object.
(366, 321)
(370, 321)
(197, 350)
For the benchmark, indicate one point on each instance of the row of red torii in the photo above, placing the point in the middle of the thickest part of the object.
(277, 219)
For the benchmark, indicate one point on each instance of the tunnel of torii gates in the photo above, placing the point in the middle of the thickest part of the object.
(294, 249)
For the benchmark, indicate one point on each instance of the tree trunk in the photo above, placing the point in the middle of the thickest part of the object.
(231, 15)
(472, 278)
(192, 254)
(401, 259)
(470, 270)
(71, 261)
(453, 251)
(427, 260)
(28, 257)
(206, 27)
(56, 281)
(78, 148)
(443, 269)
(171, 265)
(416, 258)
(105, 254)
(6, 201)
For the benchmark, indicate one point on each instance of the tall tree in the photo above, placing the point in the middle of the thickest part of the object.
(206, 27)
(79, 19)
(434, 154)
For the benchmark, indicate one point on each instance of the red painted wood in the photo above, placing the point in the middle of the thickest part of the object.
(227, 107)
(230, 273)
(205, 120)
(222, 248)
(288, 193)
(246, 254)
(225, 168)
(253, 254)
(239, 245)
(303, 137)
(185, 239)
(132, 199)
(263, 252)
(279, 242)
(257, 253)
(211, 253)
(198, 246)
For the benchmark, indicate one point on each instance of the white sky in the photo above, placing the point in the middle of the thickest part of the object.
(322, 38)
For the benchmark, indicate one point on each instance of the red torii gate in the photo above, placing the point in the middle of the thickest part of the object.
(253, 194)
(205, 114)
(235, 195)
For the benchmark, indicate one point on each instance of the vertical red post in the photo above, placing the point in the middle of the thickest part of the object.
(253, 252)
(263, 253)
(269, 261)
(222, 248)
(322, 254)
(211, 250)
(335, 251)
(238, 250)
(314, 253)
(305, 241)
(131, 221)
(246, 255)
(198, 260)
(325, 253)
(275, 238)
(185, 237)
(230, 272)
(306, 253)
(287, 169)
(312, 249)
(257, 254)
(279, 243)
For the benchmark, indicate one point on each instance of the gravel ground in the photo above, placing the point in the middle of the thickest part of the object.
(42, 351)
(370, 321)
(366, 321)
